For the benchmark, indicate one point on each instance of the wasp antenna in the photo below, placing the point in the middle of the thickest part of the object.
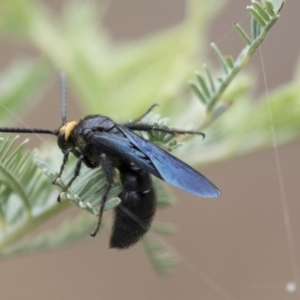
(27, 130)
(63, 87)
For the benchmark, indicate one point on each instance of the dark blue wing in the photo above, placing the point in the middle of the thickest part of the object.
(121, 146)
(156, 161)
(173, 170)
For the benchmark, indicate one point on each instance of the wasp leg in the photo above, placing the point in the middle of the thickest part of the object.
(76, 174)
(109, 171)
(137, 120)
(145, 113)
(65, 161)
(152, 127)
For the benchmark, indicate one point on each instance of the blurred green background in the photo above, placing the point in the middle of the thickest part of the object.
(234, 247)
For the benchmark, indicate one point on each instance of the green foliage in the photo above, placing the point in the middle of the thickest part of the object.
(136, 74)
(22, 81)
(26, 196)
(209, 94)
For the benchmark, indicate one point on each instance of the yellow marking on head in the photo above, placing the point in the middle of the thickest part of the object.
(68, 128)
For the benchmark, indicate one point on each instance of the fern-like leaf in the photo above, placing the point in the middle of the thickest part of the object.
(264, 16)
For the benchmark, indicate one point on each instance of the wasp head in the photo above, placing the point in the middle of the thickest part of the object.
(64, 134)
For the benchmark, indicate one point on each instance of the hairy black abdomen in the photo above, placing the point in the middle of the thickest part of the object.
(134, 215)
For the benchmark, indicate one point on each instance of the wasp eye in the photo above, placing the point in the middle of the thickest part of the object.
(61, 141)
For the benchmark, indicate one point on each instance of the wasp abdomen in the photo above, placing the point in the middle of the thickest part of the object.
(134, 215)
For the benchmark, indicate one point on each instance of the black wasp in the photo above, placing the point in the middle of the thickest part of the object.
(97, 141)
